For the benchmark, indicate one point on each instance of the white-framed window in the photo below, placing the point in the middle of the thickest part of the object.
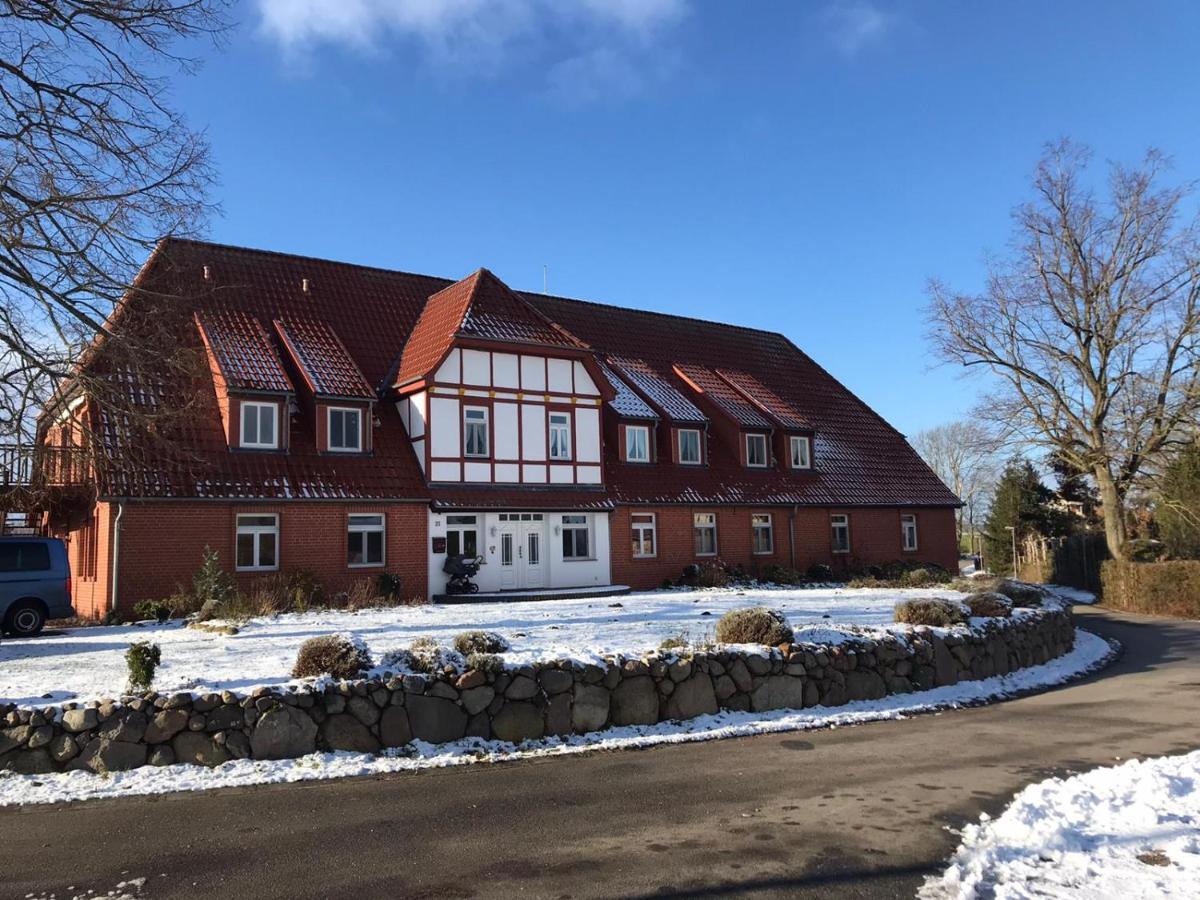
(462, 536)
(257, 542)
(645, 536)
(576, 537)
(475, 431)
(689, 446)
(259, 425)
(840, 533)
(704, 528)
(801, 452)
(364, 539)
(908, 531)
(756, 450)
(762, 535)
(345, 429)
(637, 443)
(560, 435)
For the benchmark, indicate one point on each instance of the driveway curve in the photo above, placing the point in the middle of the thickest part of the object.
(857, 812)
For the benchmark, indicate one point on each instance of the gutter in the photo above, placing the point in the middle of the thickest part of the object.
(116, 554)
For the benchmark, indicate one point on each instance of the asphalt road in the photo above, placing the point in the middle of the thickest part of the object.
(854, 812)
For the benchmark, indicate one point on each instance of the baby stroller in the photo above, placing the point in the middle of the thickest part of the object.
(461, 568)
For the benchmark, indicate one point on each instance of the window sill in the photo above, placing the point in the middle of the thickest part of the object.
(645, 556)
(255, 569)
(839, 552)
(357, 566)
(705, 555)
(571, 559)
(762, 552)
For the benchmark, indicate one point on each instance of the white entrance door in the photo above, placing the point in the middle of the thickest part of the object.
(522, 551)
(534, 566)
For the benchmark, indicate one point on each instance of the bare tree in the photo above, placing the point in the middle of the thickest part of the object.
(94, 168)
(964, 456)
(1091, 325)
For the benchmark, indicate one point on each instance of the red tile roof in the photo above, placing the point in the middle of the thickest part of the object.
(626, 403)
(658, 390)
(859, 459)
(480, 306)
(322, 358)
(239, 345)
(723, 396)
(765, 399)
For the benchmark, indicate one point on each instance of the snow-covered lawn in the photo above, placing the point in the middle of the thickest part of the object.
(1131, 831)
(88, 663)
(1090, 653)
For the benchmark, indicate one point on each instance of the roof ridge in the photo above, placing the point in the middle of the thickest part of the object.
(529, 296)
(524, 301)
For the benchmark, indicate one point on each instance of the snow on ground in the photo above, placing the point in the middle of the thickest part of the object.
(1089, 654)
(1131, 831)
(88, 663)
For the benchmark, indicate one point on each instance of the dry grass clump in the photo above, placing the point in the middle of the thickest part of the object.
(338, 655)
(488, 663)
(931, 611)
(1020, 593)
(754, 625)
(469, 642)
(676, 642)
(989, 604)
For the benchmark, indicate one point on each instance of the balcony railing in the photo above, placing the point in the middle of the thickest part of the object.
(30, 467)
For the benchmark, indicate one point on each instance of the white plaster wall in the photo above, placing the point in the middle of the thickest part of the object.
(508, 472)
(583, 381)
(588, 475)
(533, 373)
(446, 471)
(505, 431)
(559, 375)
(476, 367)
(445, 430)
(562, 474)
(533, 431)
(506, 370)
(587, 434)
(450, 370)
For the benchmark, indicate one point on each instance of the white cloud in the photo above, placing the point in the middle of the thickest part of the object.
(856, 24)
(592, 41)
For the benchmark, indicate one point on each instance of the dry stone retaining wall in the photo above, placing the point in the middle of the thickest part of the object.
(558, 698)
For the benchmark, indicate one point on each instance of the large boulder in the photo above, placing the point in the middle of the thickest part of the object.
(555, 681)
(63, 748)
(434, 719)
(198, 749)
(477, 699)
(11, 738)
(522, 688)
(863, 684)
(76, 720)
(344, 732)
(691, 698)
(124, 725)
(518, 722)
(165, 725)
(283, 732)
(106, 755)
(394, 730)
(944, 667)
(589, 712)
(635, 701)
(778, 692)
(558, 714)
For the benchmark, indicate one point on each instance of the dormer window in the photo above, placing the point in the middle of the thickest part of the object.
(637, 443)
(756, 450)
(689, 446)
(801, 452)
(259, 425)
(345, 430)
(475, 431)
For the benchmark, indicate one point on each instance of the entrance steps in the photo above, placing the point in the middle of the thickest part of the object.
(526, 596)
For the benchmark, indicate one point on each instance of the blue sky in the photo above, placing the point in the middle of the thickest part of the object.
(798, 166)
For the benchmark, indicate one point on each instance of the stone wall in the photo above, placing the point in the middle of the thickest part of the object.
(556, 698)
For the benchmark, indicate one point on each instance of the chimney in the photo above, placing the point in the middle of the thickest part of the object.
(207, 273)
(304, 285)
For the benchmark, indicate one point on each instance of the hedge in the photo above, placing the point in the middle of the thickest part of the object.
(1156, 588)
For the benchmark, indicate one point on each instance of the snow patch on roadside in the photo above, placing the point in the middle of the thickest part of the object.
(1090, 653)
(1129, 831)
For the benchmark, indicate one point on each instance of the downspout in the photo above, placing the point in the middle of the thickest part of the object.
(116, 554)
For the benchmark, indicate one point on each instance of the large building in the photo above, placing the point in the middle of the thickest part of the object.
(351, 421)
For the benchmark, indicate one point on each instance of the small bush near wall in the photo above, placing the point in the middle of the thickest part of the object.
(931, 611)
(1158, 588)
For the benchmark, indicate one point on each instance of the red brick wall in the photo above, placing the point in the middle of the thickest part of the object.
(89, 595)
(162, 544)
(875, 537)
